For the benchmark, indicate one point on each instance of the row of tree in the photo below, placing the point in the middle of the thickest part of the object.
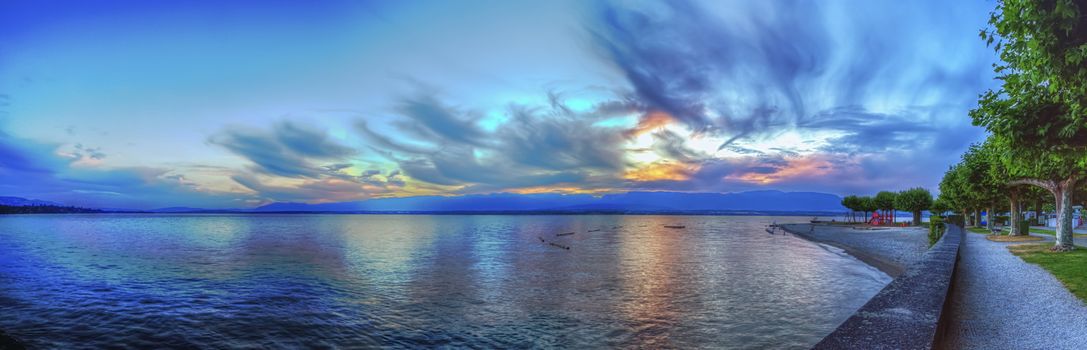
(887, 203)
(1037, 119)
(43, 209)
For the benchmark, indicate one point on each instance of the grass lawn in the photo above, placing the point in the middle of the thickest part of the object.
(1069, 267)
(981, 230)
(1006, 238)
(1052, 232)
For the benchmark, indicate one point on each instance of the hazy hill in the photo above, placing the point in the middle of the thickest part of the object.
(23, 202)
(632, 201)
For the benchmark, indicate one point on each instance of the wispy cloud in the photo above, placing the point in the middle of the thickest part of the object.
(287, 150)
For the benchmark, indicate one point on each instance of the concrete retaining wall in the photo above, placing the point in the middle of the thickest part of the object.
(907, 313)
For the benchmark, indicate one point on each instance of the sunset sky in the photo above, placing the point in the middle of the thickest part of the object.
(218, 104)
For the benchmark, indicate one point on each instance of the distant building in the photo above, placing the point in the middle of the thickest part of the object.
(1077, 217)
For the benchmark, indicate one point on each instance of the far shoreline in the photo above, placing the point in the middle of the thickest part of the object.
(470, 212)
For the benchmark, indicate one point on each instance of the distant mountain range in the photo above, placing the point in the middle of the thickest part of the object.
(752, 202)
(760, 201)
(23, 202)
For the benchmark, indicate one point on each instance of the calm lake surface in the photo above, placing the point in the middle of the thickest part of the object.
(154, 281)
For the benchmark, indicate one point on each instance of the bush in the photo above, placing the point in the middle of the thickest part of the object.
(936, 229)
(1001, 220)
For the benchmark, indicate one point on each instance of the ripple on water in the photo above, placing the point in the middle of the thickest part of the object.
(216, 281)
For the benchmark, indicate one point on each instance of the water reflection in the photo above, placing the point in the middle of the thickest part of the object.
(411, 281)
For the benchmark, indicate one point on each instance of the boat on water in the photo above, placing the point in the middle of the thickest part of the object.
(563, 234)
(675, 226)
(594, 230)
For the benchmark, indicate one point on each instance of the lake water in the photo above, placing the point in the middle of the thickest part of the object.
(154, 281)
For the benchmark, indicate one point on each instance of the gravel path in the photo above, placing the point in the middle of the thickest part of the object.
(891, 249)
(1001, 302)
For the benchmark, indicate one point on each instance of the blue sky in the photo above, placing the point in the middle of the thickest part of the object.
(215, 104)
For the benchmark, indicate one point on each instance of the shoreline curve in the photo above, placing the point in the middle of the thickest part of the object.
(878, 261)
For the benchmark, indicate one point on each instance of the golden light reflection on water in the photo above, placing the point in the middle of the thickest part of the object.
(418, 281)
(649, 255)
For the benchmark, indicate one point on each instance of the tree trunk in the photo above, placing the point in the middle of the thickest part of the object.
(1037, 210)
(1062, 193)
(916, 218)
(1064, 216)
(977, 218)
(1013, 199)
(989, 218)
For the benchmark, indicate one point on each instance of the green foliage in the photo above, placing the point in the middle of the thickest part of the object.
(1000, 219)
(953, 189)
(1040, 111)
(885, 200)
(987, 184)
(936, 229)
(867, 204)
(913, 200)
(939, 206)
(849, 202)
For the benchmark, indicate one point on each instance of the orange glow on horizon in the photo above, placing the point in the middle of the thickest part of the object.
(562, 190)
(649, 122)
(657, 171)
(802, 167)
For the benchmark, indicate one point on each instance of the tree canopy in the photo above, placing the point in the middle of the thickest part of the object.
(885, 200)
(1038, 116)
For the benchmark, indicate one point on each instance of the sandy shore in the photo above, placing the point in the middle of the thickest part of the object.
(890, 250)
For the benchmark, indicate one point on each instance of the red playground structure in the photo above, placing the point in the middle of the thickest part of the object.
(876, 219)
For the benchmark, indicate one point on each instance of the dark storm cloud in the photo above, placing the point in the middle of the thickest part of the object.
(535, 147)
(878, 75)
(762, 67)
(918, 128)
(678, 56)
(558, 140)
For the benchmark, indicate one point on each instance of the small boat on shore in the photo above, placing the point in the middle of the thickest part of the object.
(675, 226)
(563, 234)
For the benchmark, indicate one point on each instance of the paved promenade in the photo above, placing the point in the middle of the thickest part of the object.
(1001, 302)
